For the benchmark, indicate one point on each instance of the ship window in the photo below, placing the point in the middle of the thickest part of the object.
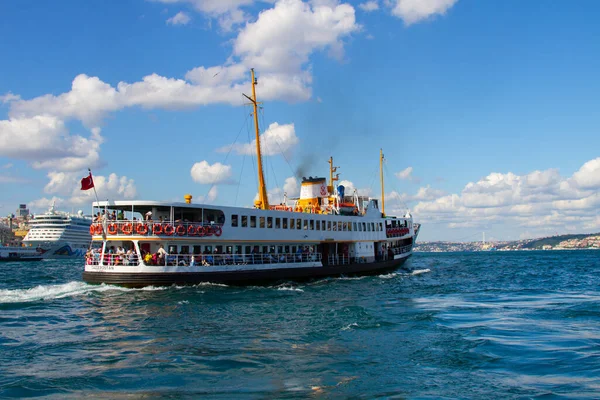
(292, 223)
(328, 225)
(284, 225)
(364, 227)
(305, 224)
(208, 250)
(244, 221)
(312, 224)
(265, 249)
(262, 222)
(172, 249)
(234, 220)
(277, 223)
(298, 223)
(373, 226)
(323, 225)
(252, 221)
(350, 226)
(287, 249)
(237, 249)
(269, 222)
(248, 250)
(318, 225)
(197, 249)
(339, 226)
(185, 250)
(219, 249)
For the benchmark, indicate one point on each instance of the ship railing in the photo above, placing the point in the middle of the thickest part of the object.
(157, 228)
(207, 259)
(338, 259)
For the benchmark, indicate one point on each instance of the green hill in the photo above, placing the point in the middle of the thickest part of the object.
(554, 240)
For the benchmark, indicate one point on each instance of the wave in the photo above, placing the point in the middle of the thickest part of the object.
(420, 271)
(51, 292)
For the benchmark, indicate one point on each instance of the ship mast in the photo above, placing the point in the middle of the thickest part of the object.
(381, 177)
(332, 169)
(263, 201)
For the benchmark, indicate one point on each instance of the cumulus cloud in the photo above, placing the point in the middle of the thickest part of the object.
(539, 203)
(180, 18)
(369, 6)
(66, 189)
(277, 139)
(291, 188)
(203, 172)
(412, 11)
(349, 189)
(406, 174)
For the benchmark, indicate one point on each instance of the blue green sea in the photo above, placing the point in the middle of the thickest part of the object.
(488, 325)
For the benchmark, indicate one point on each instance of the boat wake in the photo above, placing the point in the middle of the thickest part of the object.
(52, 292)
(420, 271)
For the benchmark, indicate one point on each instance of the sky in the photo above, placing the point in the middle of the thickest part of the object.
(486, 111)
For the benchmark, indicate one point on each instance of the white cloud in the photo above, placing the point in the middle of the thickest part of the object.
(7, 166)
(283, 37)
(11, 179)
(209, 197)
(66, 188)
(227, 12)
(291, 188)
(412, 11)
(349, 189)
(369, 6)
(538, 203)
(588, 176)
(8, 97)
(203, 172)
(405, 174)
(180, 18)
(277, 139)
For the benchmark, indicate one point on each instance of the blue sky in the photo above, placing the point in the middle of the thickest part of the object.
(486, 111)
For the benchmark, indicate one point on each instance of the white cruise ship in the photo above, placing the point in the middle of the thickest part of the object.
(59, 235)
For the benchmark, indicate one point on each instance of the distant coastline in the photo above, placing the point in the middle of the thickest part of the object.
(559, 242)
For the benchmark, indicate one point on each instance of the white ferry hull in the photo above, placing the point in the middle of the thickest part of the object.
(97, 274)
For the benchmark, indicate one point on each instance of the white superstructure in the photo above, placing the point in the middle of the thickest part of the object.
(59, 234)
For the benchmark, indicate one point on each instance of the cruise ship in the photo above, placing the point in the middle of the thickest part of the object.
(326, 232)
(59, 235)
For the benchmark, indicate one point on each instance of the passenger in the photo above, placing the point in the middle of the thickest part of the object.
(148, 216)
(113, 216)
(161, 254)
(120, 216)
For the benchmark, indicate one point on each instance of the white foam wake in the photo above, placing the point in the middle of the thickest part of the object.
(50, 292)
(420, 271)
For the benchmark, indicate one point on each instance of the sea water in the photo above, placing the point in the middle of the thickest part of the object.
(452, 325)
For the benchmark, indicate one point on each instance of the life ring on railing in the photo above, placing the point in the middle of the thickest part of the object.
(208, 231)
(141, 229)
(127, 229)
(200, 231)
(157, 229)
(92, 229)
(217, 230)
(299, 209)
(191, 230)
(180, 230)
(168, 230)
(112, 229)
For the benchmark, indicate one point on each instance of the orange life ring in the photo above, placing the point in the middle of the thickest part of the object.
(180, 230)
(208, 231)
(112, 229)
(200, 231)
(92, 229)
(191, 230)
(157, 229)
(141, 229)
(299, 209)
(218, 230)
(127, 229)
(168, 230)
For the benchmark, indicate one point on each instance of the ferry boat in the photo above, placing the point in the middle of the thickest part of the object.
(324, 233)
(59, 235)
(19, 253)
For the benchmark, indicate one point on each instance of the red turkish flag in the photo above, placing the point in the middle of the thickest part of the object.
(87, 183)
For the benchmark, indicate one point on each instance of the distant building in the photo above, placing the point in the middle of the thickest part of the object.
(22, 211)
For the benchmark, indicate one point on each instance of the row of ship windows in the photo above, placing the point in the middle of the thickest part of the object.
(307, 224)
